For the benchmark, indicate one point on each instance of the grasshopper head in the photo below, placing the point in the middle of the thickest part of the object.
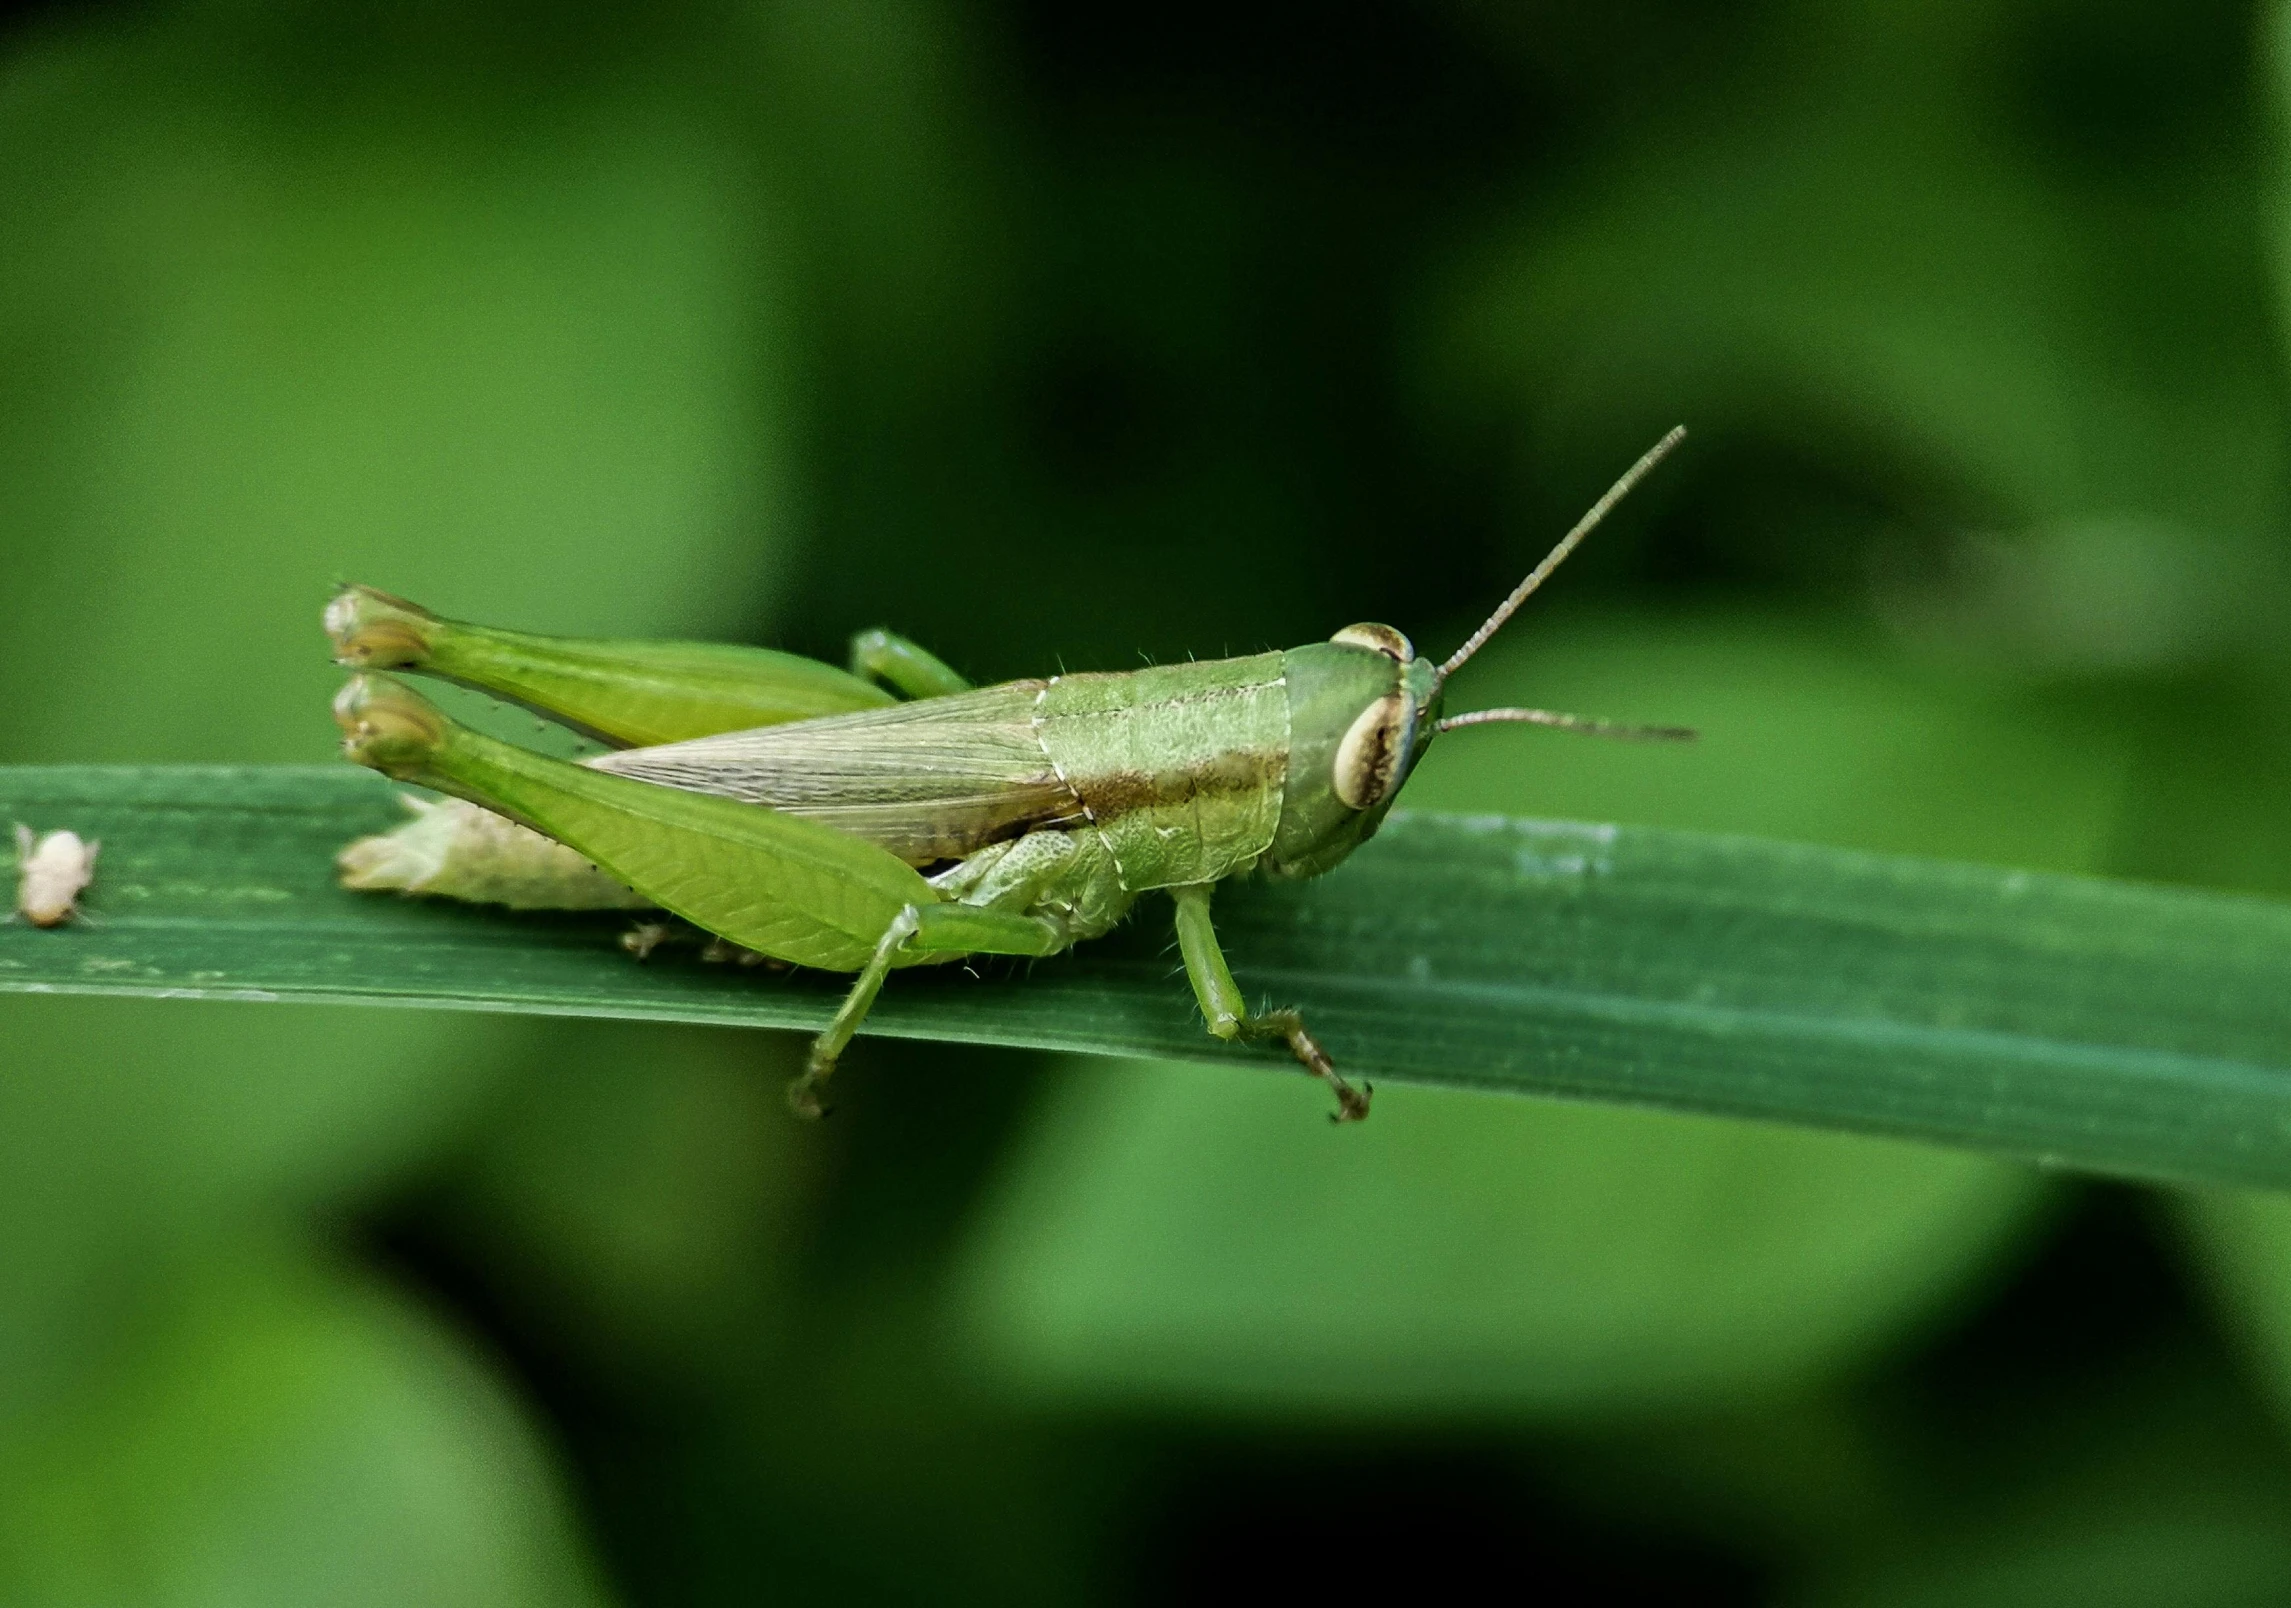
(1383, 741)
(1363, 708)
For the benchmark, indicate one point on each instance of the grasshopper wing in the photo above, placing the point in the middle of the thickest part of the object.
(936, 779)
(762, 878)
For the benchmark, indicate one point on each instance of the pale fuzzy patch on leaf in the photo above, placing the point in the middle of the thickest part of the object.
(53, 868)
(455, 850)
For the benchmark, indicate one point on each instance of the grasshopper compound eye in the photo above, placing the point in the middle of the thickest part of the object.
(1369, 760)
(1377, 638)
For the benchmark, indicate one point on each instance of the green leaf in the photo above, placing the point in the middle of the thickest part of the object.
(523, 354)
(2242, 1244)
(1815, 729)
(2149, 1484)
(1179, 1233)
(2135, 1030)
(1949, 331)
(637, 1201)
(276, 1431)
(1174, 1231)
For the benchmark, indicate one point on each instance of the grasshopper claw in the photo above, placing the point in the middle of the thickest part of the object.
(643, 938)
(723, 952)
(1288, 1026)
(803, 1092)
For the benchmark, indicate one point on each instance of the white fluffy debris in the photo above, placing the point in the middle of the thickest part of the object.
(455, 850)
(52, 869)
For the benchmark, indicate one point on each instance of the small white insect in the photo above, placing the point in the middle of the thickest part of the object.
(51, 870)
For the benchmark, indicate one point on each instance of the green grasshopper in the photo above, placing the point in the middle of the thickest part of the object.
(1017, 819)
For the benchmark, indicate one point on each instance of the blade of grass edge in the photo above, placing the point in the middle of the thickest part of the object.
(2106, 1026)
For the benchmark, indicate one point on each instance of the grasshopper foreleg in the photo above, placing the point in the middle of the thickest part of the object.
(1226, 1013)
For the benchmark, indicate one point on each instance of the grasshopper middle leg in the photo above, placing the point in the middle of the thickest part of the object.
(916, 931)
(1227, 1015)
(905, 667)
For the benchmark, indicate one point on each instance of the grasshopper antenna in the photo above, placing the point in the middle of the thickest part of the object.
(1581, 723)
(1541, 573)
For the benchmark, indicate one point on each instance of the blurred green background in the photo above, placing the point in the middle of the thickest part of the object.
(1066, 335)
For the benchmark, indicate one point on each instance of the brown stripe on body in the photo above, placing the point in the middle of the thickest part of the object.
(1179, 768)
(1110, 795)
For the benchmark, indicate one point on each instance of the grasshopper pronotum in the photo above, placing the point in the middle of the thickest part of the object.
(1009, 820)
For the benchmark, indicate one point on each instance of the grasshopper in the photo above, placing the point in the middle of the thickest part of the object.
(1017, 819)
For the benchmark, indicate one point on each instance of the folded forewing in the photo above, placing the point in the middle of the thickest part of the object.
(932, 780)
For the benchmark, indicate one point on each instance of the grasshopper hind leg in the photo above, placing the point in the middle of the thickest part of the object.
(1227, 1013)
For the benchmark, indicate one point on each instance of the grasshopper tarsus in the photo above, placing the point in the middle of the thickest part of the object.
(803, 1095)
(1289, 1026)
(646, 936)
(723, 952)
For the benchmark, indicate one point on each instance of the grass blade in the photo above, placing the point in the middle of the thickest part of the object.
(2107, 1026)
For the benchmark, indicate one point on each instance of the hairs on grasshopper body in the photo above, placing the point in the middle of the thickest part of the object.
(808, 815)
